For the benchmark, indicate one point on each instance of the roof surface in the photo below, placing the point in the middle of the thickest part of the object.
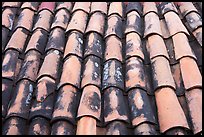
(101, 68)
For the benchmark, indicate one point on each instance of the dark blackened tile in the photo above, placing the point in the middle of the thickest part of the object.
(69, 75)
(99, 6)
(170, 49)
(187, 7)
(9, 64)
(37, 41)
(74, 44)
(145, 129)
(96, 23)
(134, 74)
(8, 16)
(43, 103)
(177, 131)
(30, 5)
(162, 73)
(62, 127)
(14, 126)
(113, 48)
(25, 19)
(84, 6)
(140, 108)
(114, 26)
(47, 5)
(43, 20)
(61, 19)
(194, 20)
(78, 21)
(93, 45)
(133, 46)
(197, 49)
(90, 103)
(21, 99)
(165, 7)
(50, 66)
(12, 4)
(134, 6)
(198, 35)
(117, 128)
(116, 8)
(64, 5)
(56, 40)
(112, 75)
(92, 72)
(4, 38)
(114, 106)
(134, 23)
(30, 66)
(149, 7)
(18, 40)
(39, 126)
(148, 79)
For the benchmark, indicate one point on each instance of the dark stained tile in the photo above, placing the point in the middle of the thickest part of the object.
(96, 23)
(117, 128)
(39, 126)
(114, 106)
(149, 7)
(47, 5)
(30, 5)
(8, 16)
(64, 5)
(186, 7)
(99, 6)
(74, 44)
(194, 20)
(177, 131)
(137, 6)
(84, 6)
(171, 51)
(62, 128)
(198, 35)
(12, 4)
(69, 75)
(113, 75)
(165, 7)
(197, 49)
(164, 29)
(116, 8)
(145, 129)
(93, 45)
(113, 48)
(4, 38)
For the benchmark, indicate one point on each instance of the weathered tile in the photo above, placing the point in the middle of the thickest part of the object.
(117, 128)
(30, 5)
(48, 6)
(145, 129)
(4, 38)
(198, 35)
(64, 5)
(165, 7)
(186, 7)
(99, 6)
(134, 6)
(149, 7)
(62, 128)
(84, 6)
(86, 126)
(12, 4)
(194, 20)
(116, 8)
(8, 16)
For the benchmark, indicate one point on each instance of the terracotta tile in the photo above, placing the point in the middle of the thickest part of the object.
(37, 41)
(145, 129)
(194, 20)
(78, 21)
(70, 75)
(43, 104)
(194, 101)
(198, 34)
(50, 66)
(133, 46)
(30, 66)
(90, 103)
(7, 90)
(74, 44)
(187, 7)
(8, 16)
(152, 24)
(156, 47)
(96, 23)
(114, 26)
(134, 74)
(140, 108)
(39, 126)
(99, 6)
(117, 128)
(116, 8)
(18, 68)
(47, 5)
(30, 5)
(93, 45)
(43, 20)
(113, 75)
(168, 106)
(9, 64)
(176, 72)
(190, 73)
(134, 23)
(100, 131)
(14, 126)
(174, 24)
(182, 47)
(56, 40)
(113, 49)
(12, 4)
(149, 7)
(61, 19)
(92, 72)
(62, 128)
(114, 105)
(25, 19)
(4, 38)
(84, 6)
(176, 131)
(21, 100)
(134, 6)
(164, 29)
(161, 72)
(165, 7)
(66, 105)
(86, 126)
(18, 40)
(64, 5)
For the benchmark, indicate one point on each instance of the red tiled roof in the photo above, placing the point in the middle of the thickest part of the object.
(114, 68)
